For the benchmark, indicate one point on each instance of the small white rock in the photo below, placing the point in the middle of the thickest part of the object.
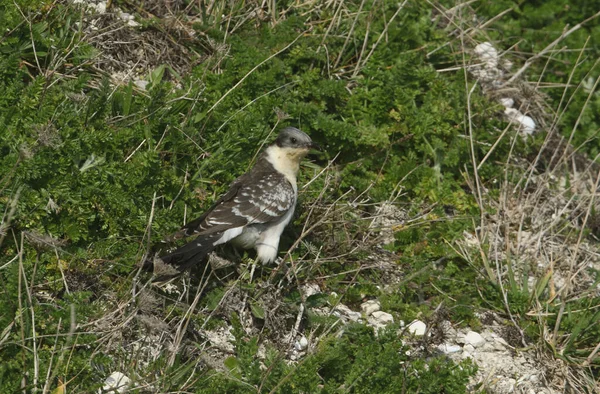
(101, 7)
(500, 343)
(512, 113)
(130, 19)
(342, 311)
(469, 348)
(488, 54)
(417, 328)
(116, 383)
(310, 289)
(301, 344)
(140, 83)
(380, 319)
(448, 348)
(511, 384)
(528, 124)
(368, 307)
(507, 102)
(474, 338)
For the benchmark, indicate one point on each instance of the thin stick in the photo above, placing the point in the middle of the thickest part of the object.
(339, 58)
(252, 102)
(543, 52)
(255, 68)
(384, 32)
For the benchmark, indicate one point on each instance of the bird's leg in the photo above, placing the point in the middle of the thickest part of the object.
(253, 263)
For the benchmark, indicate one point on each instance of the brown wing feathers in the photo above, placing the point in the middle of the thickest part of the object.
(258, 197)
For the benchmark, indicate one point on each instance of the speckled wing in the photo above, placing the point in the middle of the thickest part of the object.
(259, 199)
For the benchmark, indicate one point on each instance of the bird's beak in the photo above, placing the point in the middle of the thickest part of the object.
(315, 146)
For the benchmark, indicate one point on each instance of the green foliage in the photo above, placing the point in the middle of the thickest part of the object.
(533, 25)
(358, 361)
(89, 163)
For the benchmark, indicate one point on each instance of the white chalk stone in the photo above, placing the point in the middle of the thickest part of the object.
(475, 339)
(417, 328)
(488, 54)
(507, 102)
(342, 311)
(380, 319)
(310, 289)
(448, 348)
(301, 344)
(140, 83)
(116, 383)
(101, 7)
(525, 123)
(528, 124)
(368, 307)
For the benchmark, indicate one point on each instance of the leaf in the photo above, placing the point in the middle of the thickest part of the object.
(257, 310)
(542, 284)
(91, 162)
(233, 365)
(214, 298)
(157, 74)
(127, 98)
(61, 388)
(317, 300)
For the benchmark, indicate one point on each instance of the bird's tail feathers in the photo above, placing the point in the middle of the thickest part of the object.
(191, 253)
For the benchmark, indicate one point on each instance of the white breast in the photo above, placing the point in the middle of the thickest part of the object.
(265, 239)
(286, 161)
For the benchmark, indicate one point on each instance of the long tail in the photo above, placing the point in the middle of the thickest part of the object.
(186, 256)
(191, 253)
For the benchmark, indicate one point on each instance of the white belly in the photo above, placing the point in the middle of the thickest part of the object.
(247, 239)
(264, 240)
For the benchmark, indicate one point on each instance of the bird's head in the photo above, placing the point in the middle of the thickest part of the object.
(293, 139)
(290, 147)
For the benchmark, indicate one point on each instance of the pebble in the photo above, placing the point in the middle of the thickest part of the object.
(474, 339)
(128, 18)
(101, 7)
(368, 307)
(500, 344)
(117, 382)
(448, 348)
(507, 102)
(301, 344)
(417, 328)
(140, 83)
(346, 313)
(310, 289)
(380, 319)
(488, 54)
(527, 124)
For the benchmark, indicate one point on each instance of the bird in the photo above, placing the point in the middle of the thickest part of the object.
(255, 210)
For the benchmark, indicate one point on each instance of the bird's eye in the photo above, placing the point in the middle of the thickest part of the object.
(294, 140)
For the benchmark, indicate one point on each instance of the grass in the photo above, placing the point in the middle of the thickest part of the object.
(426, 198)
